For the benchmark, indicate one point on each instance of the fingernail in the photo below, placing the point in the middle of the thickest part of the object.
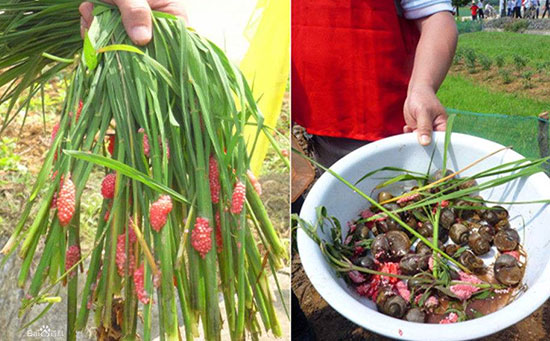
(140, 34)
(425, 140)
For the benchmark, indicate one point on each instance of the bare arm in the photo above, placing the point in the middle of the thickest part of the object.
(423, 112)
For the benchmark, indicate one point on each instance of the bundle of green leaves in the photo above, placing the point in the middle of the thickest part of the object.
(180, 218)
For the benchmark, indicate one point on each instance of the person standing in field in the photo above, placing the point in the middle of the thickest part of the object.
(510, 5)
(473, 10)
(517, 9)
(366, 70)
(480, 13)
(546, 8)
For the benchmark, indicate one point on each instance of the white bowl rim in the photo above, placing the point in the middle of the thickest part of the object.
(315, 267)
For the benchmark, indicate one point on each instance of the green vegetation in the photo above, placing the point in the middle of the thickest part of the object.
(459, 93)
(508, 45)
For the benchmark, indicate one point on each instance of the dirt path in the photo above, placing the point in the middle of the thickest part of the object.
(328, 324)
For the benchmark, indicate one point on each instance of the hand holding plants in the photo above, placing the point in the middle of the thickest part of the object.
(136, 16)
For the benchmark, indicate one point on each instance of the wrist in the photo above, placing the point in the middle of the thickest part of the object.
(421, 87)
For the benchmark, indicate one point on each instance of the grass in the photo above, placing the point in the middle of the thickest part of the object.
(460, 93)
(508, 44)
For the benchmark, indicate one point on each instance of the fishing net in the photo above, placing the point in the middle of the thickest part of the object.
(528, 135)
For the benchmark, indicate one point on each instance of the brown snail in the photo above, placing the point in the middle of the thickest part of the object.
(389, 303)
(478, 244)
(415, 315)
(411, 221)
(507, 270)
(399, 243)
(422, 248)
(446, 218)
(443, 235)
(451, 249)
(472, 262)
(364, 232)
(440, 174)
(426, 229)
(384, 196)
(501, 212)
(502, 225)
(487, 232)
(417, 281)
(380, 247)
(467, 184)
(459, 234)
(413, 263)
(506, 240)
(464, 213)
(490, 216)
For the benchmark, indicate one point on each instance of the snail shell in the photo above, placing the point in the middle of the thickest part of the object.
(380, 247)
(459, 234)
(467, 184)
(422, 248)
(506, 240)
(426, 229)
(490, 216)
(464, 213)
(487, 232)
(440, 174)
(367, 262)
(384, 196)
(415, 315)
(451, 249)
(501, 212)
(507, 270)
(414, 283)
(478, 244)
(472, 262)
(412, 263)
(390, 304)
(447, 218)
(399, 243)
(502, 225)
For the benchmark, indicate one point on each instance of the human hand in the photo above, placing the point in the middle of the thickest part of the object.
(136, 16)
(423, 113)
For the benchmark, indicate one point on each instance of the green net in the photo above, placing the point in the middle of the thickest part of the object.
(528, 135)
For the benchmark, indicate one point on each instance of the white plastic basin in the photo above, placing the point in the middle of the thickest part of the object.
(403, 151)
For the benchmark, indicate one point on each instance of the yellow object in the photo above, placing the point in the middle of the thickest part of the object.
(266, 67)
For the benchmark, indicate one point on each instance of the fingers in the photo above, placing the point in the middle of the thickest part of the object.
(424, 128)
(175, 7)
(86, 18)
(440, 122)
(136, 17)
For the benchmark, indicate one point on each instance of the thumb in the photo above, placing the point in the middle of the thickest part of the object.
(424, 128)
(136, 17)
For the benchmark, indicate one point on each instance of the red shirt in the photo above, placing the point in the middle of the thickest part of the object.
(351, 65)
(474, 9)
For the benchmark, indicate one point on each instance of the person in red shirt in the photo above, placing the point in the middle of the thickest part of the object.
(364, 70)
(474, 9)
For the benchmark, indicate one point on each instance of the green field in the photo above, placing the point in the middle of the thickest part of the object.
(460, 93)
(508, 45)
(510, 109)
